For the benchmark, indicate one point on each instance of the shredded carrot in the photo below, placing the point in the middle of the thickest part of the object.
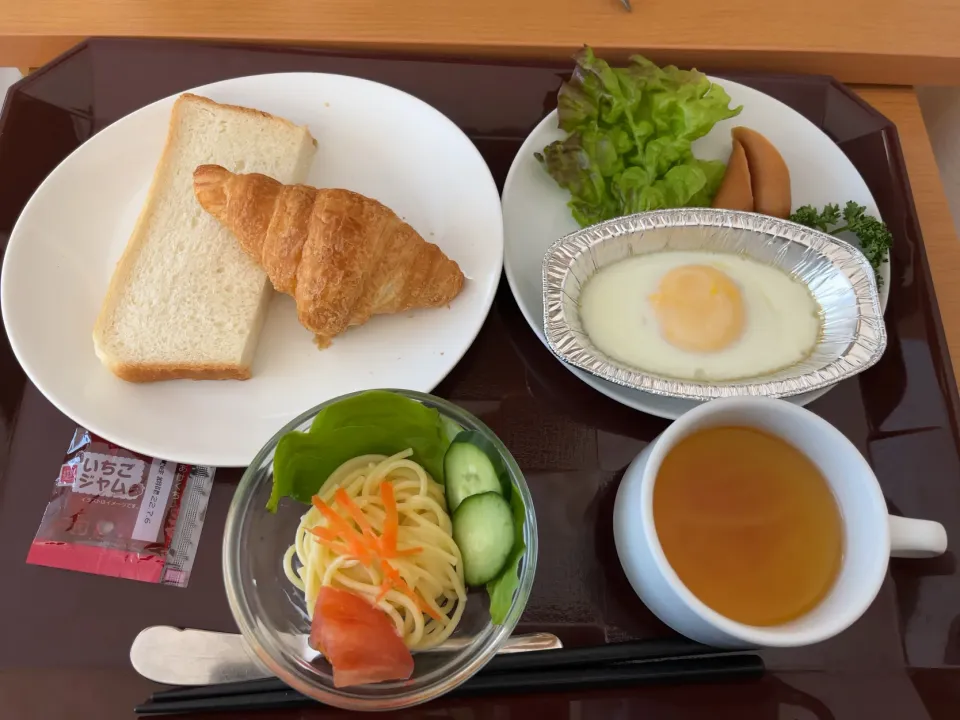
(342, 528)
(365, 546)
(336, 547)
(324, 532)
(329, 538)
(391, 523)
(356, 513)
(422, 604)
(401, 585)
(336, 522)
(392, 576)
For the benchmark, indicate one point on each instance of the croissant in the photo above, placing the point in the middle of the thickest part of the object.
(342, 256)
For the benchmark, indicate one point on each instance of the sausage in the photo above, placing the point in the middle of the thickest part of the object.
(769, 176)
(735, 192)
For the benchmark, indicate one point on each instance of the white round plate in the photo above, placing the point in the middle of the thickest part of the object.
(535, 212)
(371, 138)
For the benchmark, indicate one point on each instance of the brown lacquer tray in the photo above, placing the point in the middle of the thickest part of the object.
(65, 636)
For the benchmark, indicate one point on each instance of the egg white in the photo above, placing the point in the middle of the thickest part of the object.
(782, 321)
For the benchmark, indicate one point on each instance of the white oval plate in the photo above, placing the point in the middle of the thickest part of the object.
(372, 139)
(535, 212)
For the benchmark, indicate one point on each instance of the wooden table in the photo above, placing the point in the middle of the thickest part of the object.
(873, 41)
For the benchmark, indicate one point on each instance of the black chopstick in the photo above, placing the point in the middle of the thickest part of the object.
(699, 669)
(201, 692)
(632, 651)
(537, 660)
(276, 700)
(713, 668)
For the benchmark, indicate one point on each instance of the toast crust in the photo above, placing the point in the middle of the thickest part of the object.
(153, 372)
(190, 97)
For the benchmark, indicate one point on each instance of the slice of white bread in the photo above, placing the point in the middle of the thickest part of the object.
(184, 300)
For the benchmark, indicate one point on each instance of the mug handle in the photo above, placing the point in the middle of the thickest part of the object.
(912, 538)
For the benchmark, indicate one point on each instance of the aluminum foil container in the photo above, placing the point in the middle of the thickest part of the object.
(839, 277)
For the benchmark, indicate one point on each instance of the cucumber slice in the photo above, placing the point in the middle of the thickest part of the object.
(469, 469)
(483, 530)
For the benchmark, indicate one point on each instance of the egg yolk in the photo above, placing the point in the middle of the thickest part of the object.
(699, 308)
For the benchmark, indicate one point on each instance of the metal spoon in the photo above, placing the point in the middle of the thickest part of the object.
(186, 656)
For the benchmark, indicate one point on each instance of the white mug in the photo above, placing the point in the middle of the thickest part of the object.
(871, 536)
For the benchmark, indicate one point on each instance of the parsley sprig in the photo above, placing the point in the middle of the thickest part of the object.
(875, 238)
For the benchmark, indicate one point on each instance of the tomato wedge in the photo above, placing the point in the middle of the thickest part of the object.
(358, 639)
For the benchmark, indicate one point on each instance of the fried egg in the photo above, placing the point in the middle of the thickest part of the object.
(700, 315)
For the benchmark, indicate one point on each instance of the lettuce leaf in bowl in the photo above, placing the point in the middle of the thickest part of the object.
(377, 422)
(631, 133)
(502, 587)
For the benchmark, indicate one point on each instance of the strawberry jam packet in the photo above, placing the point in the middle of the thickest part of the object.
(119, 513)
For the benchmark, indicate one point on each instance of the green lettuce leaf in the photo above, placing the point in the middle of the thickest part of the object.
(631, 134)
(713, 171)
(372, 422)
(502, 587)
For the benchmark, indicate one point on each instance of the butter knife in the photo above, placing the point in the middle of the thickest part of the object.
(176, 656)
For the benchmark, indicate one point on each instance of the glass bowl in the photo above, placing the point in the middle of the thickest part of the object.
(271, 613)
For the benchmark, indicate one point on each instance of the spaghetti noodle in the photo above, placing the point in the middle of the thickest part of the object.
(379, 527)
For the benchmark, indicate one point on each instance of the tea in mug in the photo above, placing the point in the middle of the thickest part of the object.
(749, 524)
